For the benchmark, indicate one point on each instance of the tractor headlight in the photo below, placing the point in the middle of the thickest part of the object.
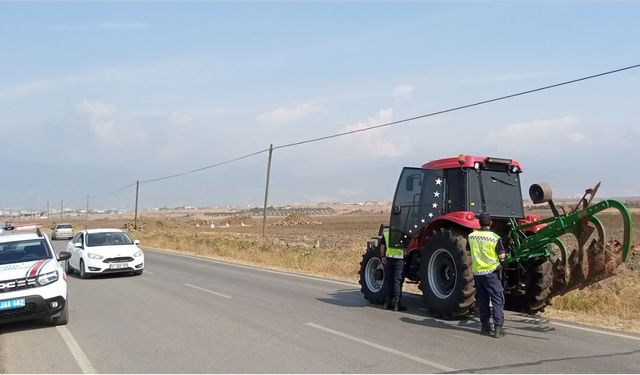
(47, 278)
(138, 254)
(94, 256)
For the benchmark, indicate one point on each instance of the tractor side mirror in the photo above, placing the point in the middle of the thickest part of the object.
(409, 183)
(395, 210)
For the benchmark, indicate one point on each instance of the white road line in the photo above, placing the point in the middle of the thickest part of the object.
(81, 359)
(383, 348)
(355, 285)
(252, 267)
(149, 273)
(207, 291)
(596, 331)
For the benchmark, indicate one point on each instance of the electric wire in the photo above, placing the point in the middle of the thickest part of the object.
(397, 122)
(203, 168)
(387, 124)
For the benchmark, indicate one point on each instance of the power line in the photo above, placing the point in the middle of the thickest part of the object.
(405, 120)
(457, 108)
(112, 191)
(203, 168)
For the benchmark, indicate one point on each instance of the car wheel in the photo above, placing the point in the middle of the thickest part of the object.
(83, 272)
(64, 315)
(138, 273)
(67, 267)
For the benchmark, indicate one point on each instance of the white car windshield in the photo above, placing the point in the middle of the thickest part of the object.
(23, 251)
(108, 239)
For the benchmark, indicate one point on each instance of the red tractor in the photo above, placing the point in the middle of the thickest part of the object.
(435, 208)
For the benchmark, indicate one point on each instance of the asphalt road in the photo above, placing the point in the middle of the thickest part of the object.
(189, 315)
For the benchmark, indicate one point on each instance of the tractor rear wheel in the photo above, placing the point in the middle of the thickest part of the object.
(372, 276)
(445, 275)
(538, 289)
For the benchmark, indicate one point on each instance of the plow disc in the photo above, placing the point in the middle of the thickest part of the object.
(594, 259)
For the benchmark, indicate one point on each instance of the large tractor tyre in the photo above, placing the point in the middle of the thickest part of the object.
(538, 292)
(446, 279)
(372, 276)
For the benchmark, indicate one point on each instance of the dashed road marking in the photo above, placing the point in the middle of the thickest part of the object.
(383, 348)
(81, 359)
(207, 291)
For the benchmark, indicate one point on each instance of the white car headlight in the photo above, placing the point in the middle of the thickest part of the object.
(94, 256)
(47, 278)
(138, 254)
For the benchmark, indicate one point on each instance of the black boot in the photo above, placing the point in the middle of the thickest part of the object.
(498, 332)
(387, 304)
(397, 306)
(485, 329)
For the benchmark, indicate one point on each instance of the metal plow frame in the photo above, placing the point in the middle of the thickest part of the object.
(590, 262)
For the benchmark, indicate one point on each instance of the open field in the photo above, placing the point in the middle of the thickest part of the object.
(331, 245)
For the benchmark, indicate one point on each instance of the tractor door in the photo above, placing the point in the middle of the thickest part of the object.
(418, 201)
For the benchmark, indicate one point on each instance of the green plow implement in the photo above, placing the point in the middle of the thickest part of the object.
(593, 259)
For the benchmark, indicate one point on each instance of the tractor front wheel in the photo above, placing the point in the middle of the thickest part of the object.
(372, 276)
(445, 275)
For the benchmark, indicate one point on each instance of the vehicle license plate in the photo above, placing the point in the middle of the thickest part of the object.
(119, 265)
(12, 304)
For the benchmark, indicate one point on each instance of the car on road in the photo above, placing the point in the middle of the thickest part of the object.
(104, 251)
(62, 231)
(33, 284)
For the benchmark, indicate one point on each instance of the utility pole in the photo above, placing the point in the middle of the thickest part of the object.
(87, 208)
(135, 218)
(48, 212)
(61, 209)
(266, 192)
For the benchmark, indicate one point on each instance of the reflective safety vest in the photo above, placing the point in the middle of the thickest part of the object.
(391, 252)
(484, 257)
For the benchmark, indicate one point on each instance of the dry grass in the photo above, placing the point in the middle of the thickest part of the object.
(250, 249)
(613, 303)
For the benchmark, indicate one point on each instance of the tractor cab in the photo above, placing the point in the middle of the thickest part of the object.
(454, 190)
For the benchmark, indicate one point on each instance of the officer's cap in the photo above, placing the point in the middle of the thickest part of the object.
(485, 219)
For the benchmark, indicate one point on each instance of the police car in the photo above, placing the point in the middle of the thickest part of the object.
(33, 284)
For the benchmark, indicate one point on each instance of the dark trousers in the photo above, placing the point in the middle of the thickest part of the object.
(489, 287)
(393, 277)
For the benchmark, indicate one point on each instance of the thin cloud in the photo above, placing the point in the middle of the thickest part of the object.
(551, 134)
(501, 78)
(402, 91)
(374, 142)
(289, 115)
(113, 75)
(104, 26)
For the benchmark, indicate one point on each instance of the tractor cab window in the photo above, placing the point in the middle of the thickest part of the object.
(496, 192)
(418, 200)
(456, 192)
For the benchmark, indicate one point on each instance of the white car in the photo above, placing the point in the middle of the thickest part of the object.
(64, 231)
(33, 284)
(102, 251)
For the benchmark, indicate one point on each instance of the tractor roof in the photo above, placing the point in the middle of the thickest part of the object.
(468, 161)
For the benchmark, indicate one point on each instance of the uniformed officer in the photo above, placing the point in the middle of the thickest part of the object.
(393, 261)
(486, 253)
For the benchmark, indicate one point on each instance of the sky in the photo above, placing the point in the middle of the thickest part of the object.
(97, 95)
